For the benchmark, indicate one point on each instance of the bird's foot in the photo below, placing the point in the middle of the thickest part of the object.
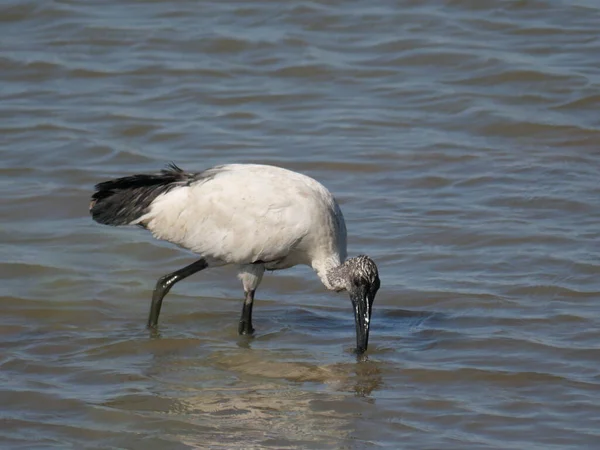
(245, 328)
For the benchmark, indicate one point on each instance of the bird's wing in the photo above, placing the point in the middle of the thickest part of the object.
(232, 219)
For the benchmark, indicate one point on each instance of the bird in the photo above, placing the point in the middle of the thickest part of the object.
(253, 216)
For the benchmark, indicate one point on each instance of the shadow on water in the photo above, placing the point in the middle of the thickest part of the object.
(366, 377)
(361, 377)
(303, 345)
(288, 341)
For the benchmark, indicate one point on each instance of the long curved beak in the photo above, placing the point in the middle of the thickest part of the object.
(362, 318)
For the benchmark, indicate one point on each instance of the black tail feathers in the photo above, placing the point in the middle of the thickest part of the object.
(124, 200)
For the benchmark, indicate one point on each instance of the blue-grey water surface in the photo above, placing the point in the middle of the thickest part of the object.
(461, 138)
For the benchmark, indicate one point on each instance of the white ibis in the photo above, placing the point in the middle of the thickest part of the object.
(256, 217)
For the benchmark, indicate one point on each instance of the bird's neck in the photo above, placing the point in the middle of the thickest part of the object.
(332, 272)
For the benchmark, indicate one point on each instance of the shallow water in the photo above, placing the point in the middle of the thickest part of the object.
(461, 139)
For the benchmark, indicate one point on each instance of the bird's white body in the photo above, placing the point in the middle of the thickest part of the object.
(247, 214)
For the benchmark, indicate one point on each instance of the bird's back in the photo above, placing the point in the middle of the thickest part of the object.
(245, 213)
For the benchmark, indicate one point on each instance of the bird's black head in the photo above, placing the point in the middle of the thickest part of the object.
(363, 284)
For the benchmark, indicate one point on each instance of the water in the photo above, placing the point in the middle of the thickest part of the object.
(461, 139)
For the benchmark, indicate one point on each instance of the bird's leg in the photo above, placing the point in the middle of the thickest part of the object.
(164, 285)
(245, 326)
(251, 275)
